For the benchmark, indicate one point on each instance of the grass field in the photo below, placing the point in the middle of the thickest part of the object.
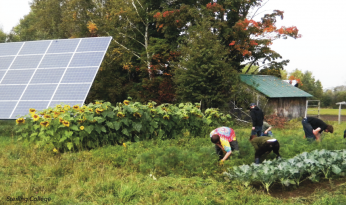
(179, 171)
(326, 111)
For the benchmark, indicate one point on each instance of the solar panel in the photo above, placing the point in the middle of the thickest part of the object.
(42, 74)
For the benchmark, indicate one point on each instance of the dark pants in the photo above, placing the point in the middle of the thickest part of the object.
(345, 134)
(308, 130)
(234, 147)
(268, 147)
(257, 131)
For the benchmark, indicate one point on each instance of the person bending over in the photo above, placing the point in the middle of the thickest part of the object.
(225, 141)
(313, 127)
(266, 129)
(263, 145)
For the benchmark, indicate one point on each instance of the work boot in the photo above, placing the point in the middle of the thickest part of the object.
(257, 160)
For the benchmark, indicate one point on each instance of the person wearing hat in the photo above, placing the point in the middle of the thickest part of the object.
(257, 119)
(264, 145)
(313, 127)
(225, 141)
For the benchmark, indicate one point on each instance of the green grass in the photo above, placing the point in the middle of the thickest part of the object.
(179, 171)
(326, 111)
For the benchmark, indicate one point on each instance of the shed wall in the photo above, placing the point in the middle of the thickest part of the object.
(287, 107)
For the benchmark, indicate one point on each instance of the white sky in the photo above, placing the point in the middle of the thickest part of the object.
(320, 50)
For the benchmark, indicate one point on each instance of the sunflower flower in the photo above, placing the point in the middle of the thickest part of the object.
(99, 110)
(186, 117)
(81, 127)
(55, 150)
(61, 120)
(67, 107)
(46, 116)
(20, 121)
(137, 115)
(120, 115)
(126, 102)
(58, 106)
(44, 123)
(166, 117)
(66, 123)
(76, 107)
(35, 117)
(62, 111)
(32, 110)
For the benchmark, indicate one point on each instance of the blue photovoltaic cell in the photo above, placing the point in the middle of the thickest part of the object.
(79, 75)
(47, 75)
(62, 46)
(7, 49)
(94, 44)
(71, 103)
(5, 62)
(87, 59)
(11, 92)
(55, 60)
(24, 106)
(18, 76)
(34, 47)
(38, 74)
(2, 72)
(30, 61)
(39, 92)
(71, 92)
(6, 109)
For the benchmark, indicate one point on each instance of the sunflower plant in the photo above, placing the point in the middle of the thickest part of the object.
(75, 127)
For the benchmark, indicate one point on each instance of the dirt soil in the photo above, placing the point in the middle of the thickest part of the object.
(305, 189)
(332, 117)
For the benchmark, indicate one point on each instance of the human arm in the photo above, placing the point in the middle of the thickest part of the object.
(226, 155)
(267, 130)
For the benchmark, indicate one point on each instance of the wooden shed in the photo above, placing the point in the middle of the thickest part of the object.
(280, 97)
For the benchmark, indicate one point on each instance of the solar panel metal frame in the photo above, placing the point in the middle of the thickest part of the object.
(22, 66)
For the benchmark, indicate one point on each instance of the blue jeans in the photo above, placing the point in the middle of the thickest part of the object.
(257, 131)
(269, 133)
(308, 130)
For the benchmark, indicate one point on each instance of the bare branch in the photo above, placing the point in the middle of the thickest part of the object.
(133, 25)
(133, 4)
(259, 9)
(134, 53)
(140, 4)
(132, 39)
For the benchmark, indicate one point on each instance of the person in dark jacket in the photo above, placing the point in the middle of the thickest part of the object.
(263, 145)
(313, 127)
(257, 119)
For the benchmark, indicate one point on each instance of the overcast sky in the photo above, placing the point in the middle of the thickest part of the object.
(320, 50)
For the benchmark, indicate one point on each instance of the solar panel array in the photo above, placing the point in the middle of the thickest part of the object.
(42, 74)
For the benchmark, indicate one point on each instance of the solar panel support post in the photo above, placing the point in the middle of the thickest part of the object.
(340, 103)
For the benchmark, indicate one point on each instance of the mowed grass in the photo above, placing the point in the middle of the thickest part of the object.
(179, 171)
(327, 111)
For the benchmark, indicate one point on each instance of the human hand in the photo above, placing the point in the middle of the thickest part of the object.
(253, 128)
(266, 132)
(221, 162)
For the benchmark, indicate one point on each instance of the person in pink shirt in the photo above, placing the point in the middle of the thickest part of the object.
(225, 141)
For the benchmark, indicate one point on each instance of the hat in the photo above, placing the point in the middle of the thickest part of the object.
(252, 104)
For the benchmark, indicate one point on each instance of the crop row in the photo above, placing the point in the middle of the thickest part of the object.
(304, 166)
(98, 124)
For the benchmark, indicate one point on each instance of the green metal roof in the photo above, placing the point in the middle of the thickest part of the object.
(272, 86)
